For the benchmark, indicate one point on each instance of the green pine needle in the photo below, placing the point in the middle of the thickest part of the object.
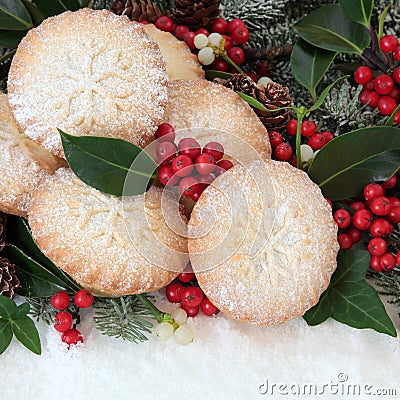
(123, 317)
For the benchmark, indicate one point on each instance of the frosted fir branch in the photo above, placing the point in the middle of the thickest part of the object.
(41, 309)
(388, 284)
(124, 317)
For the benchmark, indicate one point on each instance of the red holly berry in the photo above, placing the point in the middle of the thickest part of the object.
(182, 165)
(240, 35)
(342, 218)
(62, 321)
(355, 235)
(362, 219)
(186, 276)
(380, 228)
(165, 24)
(252, 75)
(215, 149)
(373, 190)
(396, 53)
(208, 308)
(83, 298)
(165, 151)
(375, 263)
(198, 190)
(72, 336)
(204, 31)
(395, 201)
(262, 69)
(345, 241)
(180, 31)
(165, 133)
(190, 311)
(370, 97)
(386, 105)
(60, 300)
(308, 128)
(377, 246)
(275, 138)
(189, 147)
(363, 75)
(394, 215)
(192, 296)
(357, 205)
(167, 176)
(388, 43)
(328, 136)
(224, 165)
(390, 183)
(188, 185)
(317, 141)
(383, 84)
(234, 24)
(205, 164)
(388, 262)
(219, 25)
(283, 152)
(395, 93)
(380, 206)
(228, 42)
(398, 258)
(236, 54)
(220, 65)
(174, 291)
(291, 127)
(188, 38)
(205, 179)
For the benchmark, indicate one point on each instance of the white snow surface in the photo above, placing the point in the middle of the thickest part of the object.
(227, 360)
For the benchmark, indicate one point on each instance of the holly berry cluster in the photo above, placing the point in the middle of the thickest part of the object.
(230, 36)
(382, 90)
(373, 218)
(284, 143)
(187, 165)
(185, 291)
(66, 321)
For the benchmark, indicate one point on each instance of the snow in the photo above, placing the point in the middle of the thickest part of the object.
(227, 360)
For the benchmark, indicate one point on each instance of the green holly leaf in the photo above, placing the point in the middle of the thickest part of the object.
(331, 29)
(25, 331)
(54, 7)
(5, 335)
(14, 16)
(23, 309)
(110, 165)
(8, 308)
(351, 300)
(359, 11)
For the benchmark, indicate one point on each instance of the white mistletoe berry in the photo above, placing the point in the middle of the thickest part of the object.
(263, 81)
(215, 39)
(307, 153)
(200, 41)
(206, 56)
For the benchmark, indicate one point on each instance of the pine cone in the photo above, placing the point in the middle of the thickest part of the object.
(136, 10)
(272, 96)
(3, 219)
(9, 282)
(196, 14)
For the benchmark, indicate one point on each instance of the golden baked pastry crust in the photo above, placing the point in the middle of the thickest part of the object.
(23, 163)
(180, 61)
(211, 112)
(111, 246)
(271, 247)
(88, 72)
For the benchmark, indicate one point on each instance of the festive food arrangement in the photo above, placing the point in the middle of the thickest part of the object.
(163, 161)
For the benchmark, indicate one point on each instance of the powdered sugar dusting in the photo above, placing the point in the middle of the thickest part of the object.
(84, 232)
(107, 79)
(297, 241)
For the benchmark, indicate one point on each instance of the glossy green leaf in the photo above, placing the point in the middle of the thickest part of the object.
(211, 74)
(358, 305)
(84, 3)
(11, 39)
(347, 163)
(25, 331)
(54, 7)
(382, 21)
(105, 164)
(8, 308)
(256, 104)
(20, 235)
(359, 11)
(329, 27)
(36, 281)
(14, 16)
(349, 299)
(309, 64)
(325, 93)
(23, 309)
(5, 335)
(34, 11)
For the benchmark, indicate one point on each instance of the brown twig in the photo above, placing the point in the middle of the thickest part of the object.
(270, 54)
